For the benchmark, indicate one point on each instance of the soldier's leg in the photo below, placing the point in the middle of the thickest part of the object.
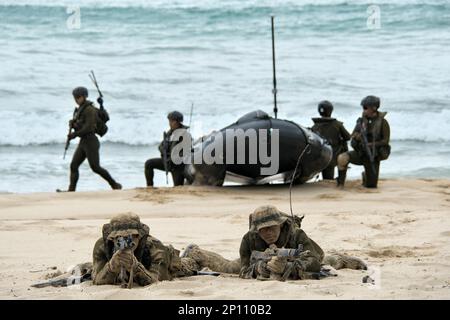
(370, 177)
(342, 162)
(211, 260)
(178, 175)
(93, 156)
(78, 157)
(341, 261)
(150, 165)
(328, 172)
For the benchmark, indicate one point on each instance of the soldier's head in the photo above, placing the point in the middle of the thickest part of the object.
(370, 106)
(325, 108)
(175, 119)
(267, 221)
(80, 94)
(125, 226)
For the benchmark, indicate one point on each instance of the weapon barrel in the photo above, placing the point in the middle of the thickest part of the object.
(165, 157)
(369, 152)
(94, 80)
(190, 116)
(66, 147)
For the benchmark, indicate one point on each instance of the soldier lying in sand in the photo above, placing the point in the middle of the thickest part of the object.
(127, 254)
(145, 260)
(277, 248)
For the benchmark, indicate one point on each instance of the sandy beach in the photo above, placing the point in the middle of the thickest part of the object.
(401, 229)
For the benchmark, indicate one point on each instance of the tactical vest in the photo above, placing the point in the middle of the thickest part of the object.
(374, 131)
(100, 127)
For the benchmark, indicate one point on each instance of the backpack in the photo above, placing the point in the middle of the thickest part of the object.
(330, 132)
(102, 117)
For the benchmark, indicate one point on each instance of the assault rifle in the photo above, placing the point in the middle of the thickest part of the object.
(66, 147)
(365, 144)
(165, 151)
(289, 254)
(80, 273)
(122, 243)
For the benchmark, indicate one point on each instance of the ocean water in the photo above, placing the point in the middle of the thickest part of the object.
(151, 57)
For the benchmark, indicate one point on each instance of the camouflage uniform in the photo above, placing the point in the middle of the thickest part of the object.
(177, 171)
(85, 122)
(378, 133)
(335, 133)
(155, 261)
(290, 237)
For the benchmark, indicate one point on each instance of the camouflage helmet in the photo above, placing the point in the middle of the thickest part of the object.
(80, 92)
(371, 101)
(267, 216)
(325, 108)
(124, 224)
(176, 116)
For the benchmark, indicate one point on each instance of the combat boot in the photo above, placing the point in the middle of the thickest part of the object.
(116, 186)
(341, 178)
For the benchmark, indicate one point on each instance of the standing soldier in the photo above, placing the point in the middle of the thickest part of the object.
(370, 141)
(166, 163)
(85, 123)
(334, 132)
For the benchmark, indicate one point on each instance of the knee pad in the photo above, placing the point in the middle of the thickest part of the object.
(342, 161)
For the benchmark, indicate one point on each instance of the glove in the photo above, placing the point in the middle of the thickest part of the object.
(122, 259)
(71, 135)
(277, 264)
(357, 136)
(261, 269)
(100, 101)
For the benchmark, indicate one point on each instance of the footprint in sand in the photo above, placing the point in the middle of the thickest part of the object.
(240, 198)
(400, 252)
(189, 293)
(158, 198)
(329, 196)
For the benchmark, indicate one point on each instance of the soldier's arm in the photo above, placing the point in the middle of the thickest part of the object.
(186, 135)
(385, 134)
(356, 134)
(248, 270)
(312, 260)
(143, 276)
(101, 273)
(160, 147)
(90, 122)
(158, 269)
(356, 137)
(344, 133)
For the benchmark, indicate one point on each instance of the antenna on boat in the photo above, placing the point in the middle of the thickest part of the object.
(274, 91)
